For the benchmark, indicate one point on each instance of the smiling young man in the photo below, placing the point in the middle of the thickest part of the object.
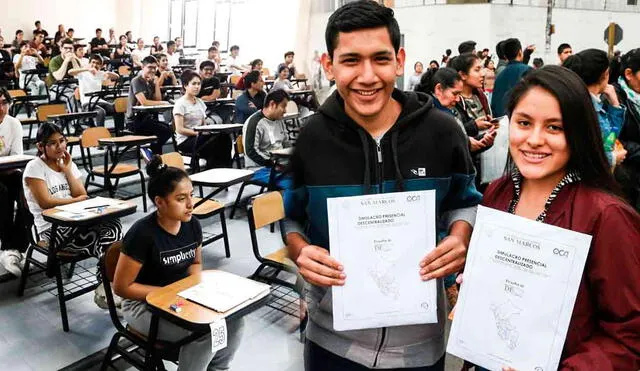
(369, 137)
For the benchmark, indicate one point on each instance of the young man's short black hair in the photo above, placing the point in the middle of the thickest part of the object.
(538, 62)
(170, 43)
(71, 30)
(206, 64)
(289, 53)
(511, 48)
(23, 43)
(500, 50)
(361, 15)
(78, 46)
(234, 47)
(97, 58)
(466, 46)
(159, 56)
(276, 96)
(562, 47)
(282, 68)
(149, 59)
(36, 33)
(251, 78)
(37, 23)
(67, 41)
(18, 32)
(212, 49)
(98, 30)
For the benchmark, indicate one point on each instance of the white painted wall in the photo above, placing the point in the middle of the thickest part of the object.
(430, 30)
(84, 16)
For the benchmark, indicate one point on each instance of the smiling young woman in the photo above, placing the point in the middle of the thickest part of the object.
(558, 174)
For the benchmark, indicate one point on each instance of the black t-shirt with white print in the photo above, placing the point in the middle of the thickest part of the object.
(165, 258)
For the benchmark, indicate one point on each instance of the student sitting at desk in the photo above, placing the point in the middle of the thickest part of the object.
(121, 51)
(160, 249)
(145, 91)
(139, 53)
(12, 244)
(210, 91)
(18, 40)
(38, 43)
(179, 46)
(165, 75)
(288, 62)
(157, 46)
(233, 61)
(53, 179)
(190, 111)
(263, 132)
(90, 80)
(256, 65)
(81, 54)
(252, 99)
(173, 56)
(7, 69)
(59, 67)
(98, 45)
(28, 59)
(283, 83)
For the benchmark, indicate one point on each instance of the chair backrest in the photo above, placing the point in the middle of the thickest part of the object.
(120, 104)
(124, 70)
(240, 144)
(50, 109)
(90, 136)
(111, 257)
(265, 72)
(234, 79)
(300, 76)
(292, 107)
(17, 93)
(173, 159)
(265, 209)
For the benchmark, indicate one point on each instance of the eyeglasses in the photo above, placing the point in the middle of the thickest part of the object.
(57, 143)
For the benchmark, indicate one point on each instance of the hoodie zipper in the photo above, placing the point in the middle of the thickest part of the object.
(379, 175)
(379, 166)
(384, 335)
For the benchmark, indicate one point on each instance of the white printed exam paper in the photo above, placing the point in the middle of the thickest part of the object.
(380, 240)
(520, 284)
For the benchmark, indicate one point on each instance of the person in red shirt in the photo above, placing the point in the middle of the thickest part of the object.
(256, 65)
(558, 174)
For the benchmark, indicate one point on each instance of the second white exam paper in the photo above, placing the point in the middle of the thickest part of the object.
(380, 240)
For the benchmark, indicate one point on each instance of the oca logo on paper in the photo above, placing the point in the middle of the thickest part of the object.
(563, 253)
(413, 198)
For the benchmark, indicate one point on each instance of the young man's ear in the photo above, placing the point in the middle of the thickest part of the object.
(327, 65)
(400, 58)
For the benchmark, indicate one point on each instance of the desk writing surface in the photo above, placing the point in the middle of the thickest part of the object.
(221, 176)
(218, 127)
(160, 107)
(192, 312)
(55, 215)
(127, 139)
(72, 115)
(284, 152)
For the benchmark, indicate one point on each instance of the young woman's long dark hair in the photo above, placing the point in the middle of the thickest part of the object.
(45, 131)
(580, 123)
(447, 77)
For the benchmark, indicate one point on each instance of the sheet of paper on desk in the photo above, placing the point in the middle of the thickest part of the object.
(75, 216)
(224, 291)
(82, 206)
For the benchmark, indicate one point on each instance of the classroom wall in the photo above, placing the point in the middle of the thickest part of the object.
(430, 30)
(82, 15)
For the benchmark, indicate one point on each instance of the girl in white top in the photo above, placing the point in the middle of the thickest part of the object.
(190, 111)
(28, 59)
(53, 179)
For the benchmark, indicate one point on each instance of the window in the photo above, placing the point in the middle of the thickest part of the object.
(632, 2)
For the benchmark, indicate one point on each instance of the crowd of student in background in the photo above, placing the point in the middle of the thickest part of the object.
(474, 89)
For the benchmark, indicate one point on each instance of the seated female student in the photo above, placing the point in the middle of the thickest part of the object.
(558, 174)
(445, 86)
(592, 65)
(167, 232)
(11, 243)
(282, 82)
(121, 50)
(53, 179)
(190, 111)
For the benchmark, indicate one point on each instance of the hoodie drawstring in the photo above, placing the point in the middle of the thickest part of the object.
(394, 153)
(367, 170)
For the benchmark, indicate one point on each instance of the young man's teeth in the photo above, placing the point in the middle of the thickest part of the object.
(366, 92)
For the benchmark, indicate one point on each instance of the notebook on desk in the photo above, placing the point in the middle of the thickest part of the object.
(225, 291)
